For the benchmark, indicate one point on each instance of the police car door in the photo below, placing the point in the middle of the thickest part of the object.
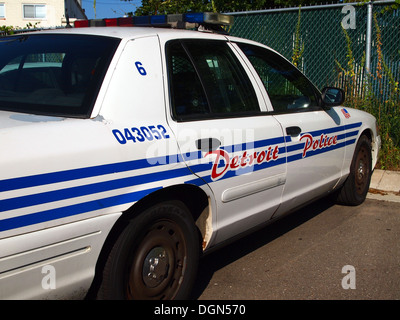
(232, 147)
(315, 137)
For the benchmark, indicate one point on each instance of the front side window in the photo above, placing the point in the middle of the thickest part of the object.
(207, 80)
(288, 89)
(53, 74)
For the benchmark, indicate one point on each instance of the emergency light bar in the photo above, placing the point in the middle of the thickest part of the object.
(182, 21)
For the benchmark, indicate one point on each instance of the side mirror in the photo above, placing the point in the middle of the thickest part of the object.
(332, 96)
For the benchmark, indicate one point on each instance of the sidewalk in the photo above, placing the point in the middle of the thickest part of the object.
(385, 185)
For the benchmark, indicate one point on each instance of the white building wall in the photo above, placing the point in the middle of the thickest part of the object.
(55, 13)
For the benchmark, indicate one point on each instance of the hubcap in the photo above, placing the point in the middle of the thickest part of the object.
(155, 267)
(158, 264)
(360, 170)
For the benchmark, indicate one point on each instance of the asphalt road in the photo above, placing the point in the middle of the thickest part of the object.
(302, 256)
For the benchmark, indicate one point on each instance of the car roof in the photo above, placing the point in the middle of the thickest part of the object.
(132, 32)
(127, 32)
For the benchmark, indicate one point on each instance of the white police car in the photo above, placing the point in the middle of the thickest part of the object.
(128, 152)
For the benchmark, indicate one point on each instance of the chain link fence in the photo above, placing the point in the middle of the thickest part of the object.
(327, 53)
(363, 58)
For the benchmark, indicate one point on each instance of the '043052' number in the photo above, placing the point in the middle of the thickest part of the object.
(141, 134)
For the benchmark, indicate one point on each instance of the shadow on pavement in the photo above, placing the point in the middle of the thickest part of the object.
(222, 257)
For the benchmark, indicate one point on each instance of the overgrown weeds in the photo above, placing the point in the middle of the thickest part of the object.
(367, 91)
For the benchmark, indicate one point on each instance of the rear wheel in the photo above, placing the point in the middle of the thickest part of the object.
(155, 257)
(355, 188)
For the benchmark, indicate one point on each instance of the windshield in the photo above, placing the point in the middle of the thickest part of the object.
(53, 74)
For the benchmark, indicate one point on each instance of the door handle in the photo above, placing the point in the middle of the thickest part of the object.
(208, 144)
(293, 131)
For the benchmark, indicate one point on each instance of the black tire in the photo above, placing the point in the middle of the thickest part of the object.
(155, 257)
(355, 189)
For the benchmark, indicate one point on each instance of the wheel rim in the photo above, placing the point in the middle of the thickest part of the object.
(362, 171)
(159, 263)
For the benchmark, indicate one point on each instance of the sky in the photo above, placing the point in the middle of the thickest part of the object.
(109, 8)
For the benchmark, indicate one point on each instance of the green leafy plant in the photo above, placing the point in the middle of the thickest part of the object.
(298, 48)
(8, 30)
(384, 105)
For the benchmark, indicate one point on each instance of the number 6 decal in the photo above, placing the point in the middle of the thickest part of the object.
(140, 68)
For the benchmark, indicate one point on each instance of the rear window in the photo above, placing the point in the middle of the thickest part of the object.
(56, 75)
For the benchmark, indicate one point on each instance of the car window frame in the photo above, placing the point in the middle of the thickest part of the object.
(211, 115)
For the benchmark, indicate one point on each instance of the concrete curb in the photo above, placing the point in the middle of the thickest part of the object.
(386, 181)
(385, 185)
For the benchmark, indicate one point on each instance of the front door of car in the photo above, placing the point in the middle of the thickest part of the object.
(223, 135)
(315, 136)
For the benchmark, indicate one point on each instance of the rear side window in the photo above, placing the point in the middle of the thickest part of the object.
(56, 75)
(207, 80)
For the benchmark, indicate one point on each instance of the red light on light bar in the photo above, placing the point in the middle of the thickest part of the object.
(111, 22)
(81, 23)
(125, 21)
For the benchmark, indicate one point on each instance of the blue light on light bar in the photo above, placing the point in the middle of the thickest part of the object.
(158, 20)
(194, 17)
(141, 21)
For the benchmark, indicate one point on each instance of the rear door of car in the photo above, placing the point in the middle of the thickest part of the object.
(315, 136)
(217, 114)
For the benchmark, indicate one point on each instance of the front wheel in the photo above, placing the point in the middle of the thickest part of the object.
(355, 189)
(155, 257)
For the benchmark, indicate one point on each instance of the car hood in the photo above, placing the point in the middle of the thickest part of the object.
(12, 119)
